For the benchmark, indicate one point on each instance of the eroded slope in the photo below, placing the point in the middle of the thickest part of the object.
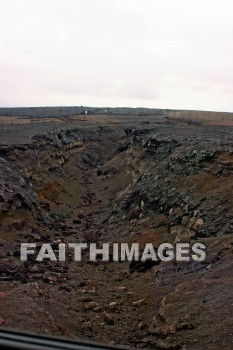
(120, 183)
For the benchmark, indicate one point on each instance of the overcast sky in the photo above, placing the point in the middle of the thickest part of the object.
(152, 53)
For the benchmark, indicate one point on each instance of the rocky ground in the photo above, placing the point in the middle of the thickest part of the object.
(128, 179)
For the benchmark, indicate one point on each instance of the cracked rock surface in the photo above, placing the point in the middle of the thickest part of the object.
(111, 179)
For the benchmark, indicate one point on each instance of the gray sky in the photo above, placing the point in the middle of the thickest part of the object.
(152, 53)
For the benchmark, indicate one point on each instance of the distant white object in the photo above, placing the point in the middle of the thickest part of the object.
(142, 204)
(86, 112)
(105, 110)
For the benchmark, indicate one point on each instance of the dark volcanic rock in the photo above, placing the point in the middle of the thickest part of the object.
(14, 191)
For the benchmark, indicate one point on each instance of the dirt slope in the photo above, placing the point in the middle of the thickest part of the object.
(125, 180)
